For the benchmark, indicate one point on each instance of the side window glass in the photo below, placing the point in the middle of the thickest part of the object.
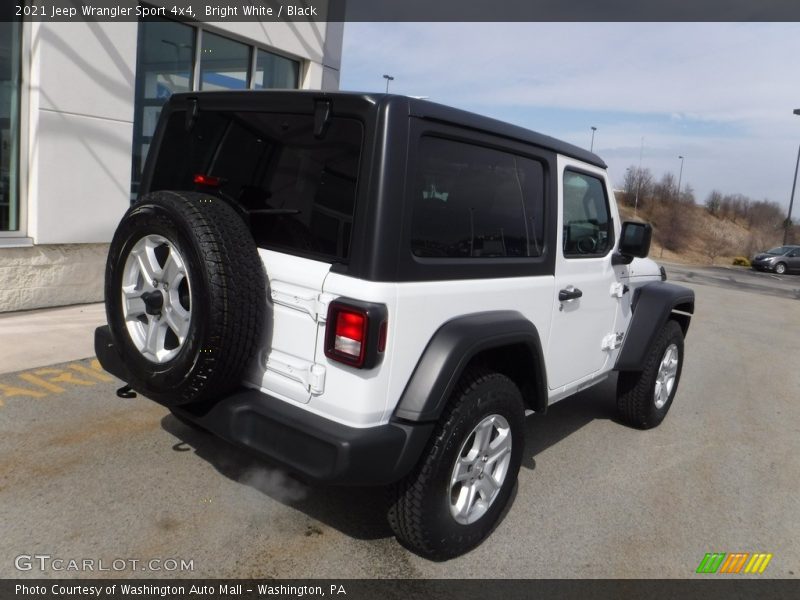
(475, 202)
(588, 230)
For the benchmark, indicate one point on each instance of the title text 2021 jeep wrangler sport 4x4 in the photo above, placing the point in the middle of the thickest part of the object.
(373, 289)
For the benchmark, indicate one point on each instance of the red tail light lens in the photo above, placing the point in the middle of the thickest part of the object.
(351, 333)
(355, 332)
(207, 180)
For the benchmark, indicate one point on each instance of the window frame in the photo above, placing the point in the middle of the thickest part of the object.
(10, 238)
(612, 241)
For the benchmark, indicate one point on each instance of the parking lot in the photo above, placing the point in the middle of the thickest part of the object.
(85, 474)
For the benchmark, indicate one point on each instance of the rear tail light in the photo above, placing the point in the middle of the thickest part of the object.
(204, 180)
(351, 335)
(356, 333)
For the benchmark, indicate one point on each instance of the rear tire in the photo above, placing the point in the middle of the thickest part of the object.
(185, 296)
(455, 496)
(644, 398)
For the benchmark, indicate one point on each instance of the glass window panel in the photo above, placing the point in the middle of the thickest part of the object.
(476, 202)
(588, 230)
(224, 64)
(299, 190)
(273, 71)
(164, 67)
(9, 125)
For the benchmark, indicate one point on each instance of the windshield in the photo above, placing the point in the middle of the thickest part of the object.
(779, 250)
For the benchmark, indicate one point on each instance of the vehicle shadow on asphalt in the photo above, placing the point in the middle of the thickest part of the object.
(358, 512)
(568, 416)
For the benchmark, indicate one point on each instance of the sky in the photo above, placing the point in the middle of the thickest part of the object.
(719, 94)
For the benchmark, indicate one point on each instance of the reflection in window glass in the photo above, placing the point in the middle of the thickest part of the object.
(164, 67)
(224, 64)
(587, 223)
(476, 202)
(9, 125)
(299, 190)
(273, 71)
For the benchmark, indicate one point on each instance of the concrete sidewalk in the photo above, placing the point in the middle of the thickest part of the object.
(38, 338)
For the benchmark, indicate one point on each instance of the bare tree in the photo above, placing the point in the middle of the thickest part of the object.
(686, 195)
(765, 215)
(714, 203)
(716, 243)
(637, 185)
(671, 225)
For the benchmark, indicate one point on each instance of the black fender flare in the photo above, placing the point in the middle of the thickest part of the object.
(452, 348)
(652, 306)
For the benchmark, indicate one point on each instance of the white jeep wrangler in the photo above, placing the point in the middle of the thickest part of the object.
(373, 289)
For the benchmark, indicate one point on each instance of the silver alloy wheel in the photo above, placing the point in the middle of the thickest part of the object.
(667, 372)
(156, 298)
(780, 268)
(480, 470)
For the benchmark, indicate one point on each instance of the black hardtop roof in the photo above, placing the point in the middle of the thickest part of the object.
(416, 107)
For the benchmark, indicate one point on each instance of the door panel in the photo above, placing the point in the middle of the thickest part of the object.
(583, 316)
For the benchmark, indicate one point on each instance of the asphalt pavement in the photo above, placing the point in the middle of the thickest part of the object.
(86, 475)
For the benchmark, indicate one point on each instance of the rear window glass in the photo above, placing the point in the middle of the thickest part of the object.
(299, 190)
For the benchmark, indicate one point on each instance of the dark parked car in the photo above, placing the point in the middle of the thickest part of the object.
(783, 259)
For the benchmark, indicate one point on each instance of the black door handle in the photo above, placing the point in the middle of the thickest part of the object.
(569, 294)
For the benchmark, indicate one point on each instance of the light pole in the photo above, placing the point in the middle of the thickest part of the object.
(388, 78)
(639, 177)
(591, 148)
(791, 198)
(680, 176)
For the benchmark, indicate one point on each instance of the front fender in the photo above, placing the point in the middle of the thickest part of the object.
(653, 304)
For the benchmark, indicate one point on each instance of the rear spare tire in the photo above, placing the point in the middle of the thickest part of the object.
(185, 296)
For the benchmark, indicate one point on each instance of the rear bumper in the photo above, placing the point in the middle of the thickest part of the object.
(312, 446)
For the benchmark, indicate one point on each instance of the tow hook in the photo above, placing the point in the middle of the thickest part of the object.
(126, 391)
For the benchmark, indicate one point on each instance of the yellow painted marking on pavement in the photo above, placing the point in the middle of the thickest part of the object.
(62, 376)
(10, 391)
(31, 378)
(92, 372)
(47, 381)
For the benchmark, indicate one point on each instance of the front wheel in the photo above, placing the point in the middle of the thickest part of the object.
(644, 398)
(455, 496)
(780, 268)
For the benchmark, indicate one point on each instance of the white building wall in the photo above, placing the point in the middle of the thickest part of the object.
(77, 144)
(80, 163)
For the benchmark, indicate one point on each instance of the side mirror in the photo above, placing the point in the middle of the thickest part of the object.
(634, 242)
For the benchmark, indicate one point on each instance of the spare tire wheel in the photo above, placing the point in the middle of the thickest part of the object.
(185, 296)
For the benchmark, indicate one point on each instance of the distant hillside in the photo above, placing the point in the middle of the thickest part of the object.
(687, 233)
